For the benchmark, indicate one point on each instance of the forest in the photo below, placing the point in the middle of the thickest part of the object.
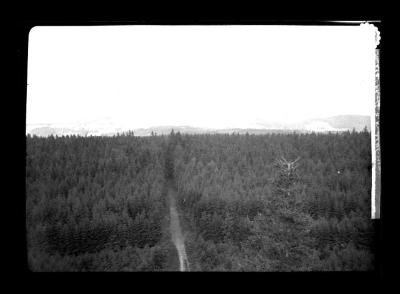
(99, 203)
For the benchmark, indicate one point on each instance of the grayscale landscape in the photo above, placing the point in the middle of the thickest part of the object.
(200, 148)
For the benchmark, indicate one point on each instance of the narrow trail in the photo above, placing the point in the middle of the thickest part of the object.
(177, 237)
(176, 232)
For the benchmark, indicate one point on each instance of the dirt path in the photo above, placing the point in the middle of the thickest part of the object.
(176, 232)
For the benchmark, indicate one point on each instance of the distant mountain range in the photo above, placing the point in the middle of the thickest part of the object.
(107, 127)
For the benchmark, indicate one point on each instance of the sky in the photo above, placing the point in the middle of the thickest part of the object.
(201, 76)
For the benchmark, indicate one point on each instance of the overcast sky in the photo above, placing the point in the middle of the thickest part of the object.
(205, 76)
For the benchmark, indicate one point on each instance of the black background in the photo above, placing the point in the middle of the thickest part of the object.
(26, 16)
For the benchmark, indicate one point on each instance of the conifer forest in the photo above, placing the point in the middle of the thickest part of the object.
(241, 202)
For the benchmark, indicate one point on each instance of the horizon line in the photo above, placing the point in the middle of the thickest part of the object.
(193, 126)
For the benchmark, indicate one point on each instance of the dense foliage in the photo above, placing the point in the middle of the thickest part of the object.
(98, 203)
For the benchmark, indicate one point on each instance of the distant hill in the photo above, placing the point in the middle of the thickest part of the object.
(48, 131)
(358, 122)
(107, 127)
(337, 123)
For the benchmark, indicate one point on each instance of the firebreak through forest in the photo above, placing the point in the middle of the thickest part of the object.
(99, 203)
